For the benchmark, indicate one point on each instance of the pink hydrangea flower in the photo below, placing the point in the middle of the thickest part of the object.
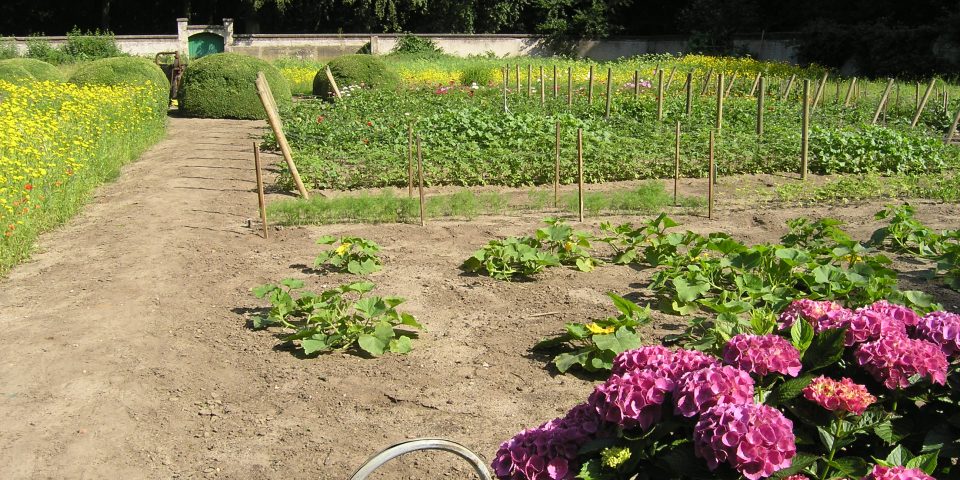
(897, 473)
(662, 361)
(904, 315)
(762, 355)
(756, 440)
(797, 477)
(810, 310)
(942, 328)
(843, 396)
(549, 452)
(893, 359)
(698, 391)
(633, 399)
(862, 324)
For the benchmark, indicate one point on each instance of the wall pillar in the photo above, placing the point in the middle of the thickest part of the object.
(227, 34)
(183, 38)
(374, 45)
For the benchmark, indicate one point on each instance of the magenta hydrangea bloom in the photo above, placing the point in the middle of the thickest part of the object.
(549, 452)
(863, 325)
(698, 391)
(902, 314)
(893, 359)
(662, 361)
(797, 477)
(756, 440)
(942, 328)
(762, 355)
(633, 399)
(843, 396)
(897, 473)
(810, 310)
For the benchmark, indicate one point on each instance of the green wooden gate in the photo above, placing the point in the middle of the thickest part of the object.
(205, 43)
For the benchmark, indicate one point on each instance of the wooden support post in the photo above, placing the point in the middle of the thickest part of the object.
(506, 78)
(953, 128)
(726, 93)
(837, 100)
(590, 87)
(556, 171)
(676, 163)
(689, 93)
(273, 118)
(719, 101)
(756, 82)
(670, 78)
(660, 96)
(850, 90)
(786, 92)
(556, 88)
(260, 200)
(569, 86)
(916, 96)
(517, 80)
(706, 82)
(543, 92)
(420, 180)
(711, 176)
(636, 83)
(820, 88)
(410, 161)
(883, 102)
(529, 80)
(333, 82)
(805, 130)
(923, 102)
(609, 92)
(761, 95)
(580, 172)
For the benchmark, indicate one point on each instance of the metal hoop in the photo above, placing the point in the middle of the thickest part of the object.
(378, 460)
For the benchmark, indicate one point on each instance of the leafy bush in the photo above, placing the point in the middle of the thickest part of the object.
(554, 245)
(39, 70)
(353, 254)
(14, 73)
(906, 234)
(8, 49)
(365, 71)
(873, 149)
(478, 74)
(40, 49)
(94, 45)
(222, 85)
(819, 391)
(338, 319)
(129, 71)
(415, 45)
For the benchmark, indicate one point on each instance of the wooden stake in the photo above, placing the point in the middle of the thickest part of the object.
(706, 82)
(820, 88)
(711, 177)
(916, 96)
(923, 102)
(529, 80)
(269, 105)
(506, 76)
(569, 86)
(410, 161)
(636, 83)
(953, 129)
(590, 87)
(609, 92)
(556, 171)
(805, 130)
(517, 80)
(761, 95)
(850, 90)
(670, 78)
(660, 96)
(420, 177)
(729, 89)
(676, 163)
(786, 93)
(261, 201)
(883, 102)
(689, 93)
(543, 93)
(756, 82)
(556, 87)
(580, 172)
(333, 83)
(719, 101)
(506, 79)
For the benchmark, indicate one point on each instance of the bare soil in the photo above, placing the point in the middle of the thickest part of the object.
(126, 350)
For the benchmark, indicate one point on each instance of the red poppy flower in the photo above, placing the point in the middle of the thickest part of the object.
(320, 119)
(28, 187)
(369, 124)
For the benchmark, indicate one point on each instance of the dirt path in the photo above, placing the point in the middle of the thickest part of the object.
(125, 352)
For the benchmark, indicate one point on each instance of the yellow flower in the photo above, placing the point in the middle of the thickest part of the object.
(597, 329)
(342, 249)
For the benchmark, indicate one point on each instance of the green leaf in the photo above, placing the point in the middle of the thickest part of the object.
(578, 331)
(371, 307)
(359, 287)
(893, 431)
(326, 240)
(566, 360)
(926, 462)
(263, 290)
(260, 322)
(292, 283)
(800, 463)
(372, 345)
(899, 456)
(789, 390)
(585, 264)
(401, 345)
(619, 342)
(801, 334)
(409, 320)
(825, 349)
(625, 306)
(688, 292)
(313, 345)
(592, 470)
(853, 467)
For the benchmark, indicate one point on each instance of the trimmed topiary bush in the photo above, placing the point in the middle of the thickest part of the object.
(363, 70)
(126, 70)
(223, 85)
(38, 69)
(14, 73)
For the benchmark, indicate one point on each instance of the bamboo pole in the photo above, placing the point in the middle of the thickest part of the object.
(706, 82)
(569, 86)
(711, 176)
(556, 87)
(506, 76)
(850, 90)
(273, 118)
(761, 95)
(820, 88)
(529, 80)
(676, 163)
(660, 95)
(916, 96)
(556, 171)
(756, 82)
(719, 101)
(333, 82)
(410, 161)
(689, 109)
(786, 93)
(923, 102)
(580, 172)
(670, 78)
(883, 102)
(609, 93)
(590, 87)
(420, 180)
(805, 130)
(729, 89)
(543, 93)
(517, 80)
(260, 200)
(953, 129)
(506, 79)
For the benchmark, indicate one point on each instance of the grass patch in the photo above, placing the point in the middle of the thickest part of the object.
(388, 207)
(858, 188)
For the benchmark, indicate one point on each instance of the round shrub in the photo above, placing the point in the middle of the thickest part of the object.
(223, 85)
(126, 71)
(38, 69)
(481, 75)
(362, 70)
(14, 73)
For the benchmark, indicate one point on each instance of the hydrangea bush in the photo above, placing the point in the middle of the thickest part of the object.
(825, 392)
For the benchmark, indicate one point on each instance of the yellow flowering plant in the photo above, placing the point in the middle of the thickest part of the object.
(355, 255)
(593, 345)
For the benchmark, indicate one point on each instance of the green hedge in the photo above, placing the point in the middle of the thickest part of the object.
(14, 73)
(126, 70)
(223, 85)
(362, 70)
(38, 69)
